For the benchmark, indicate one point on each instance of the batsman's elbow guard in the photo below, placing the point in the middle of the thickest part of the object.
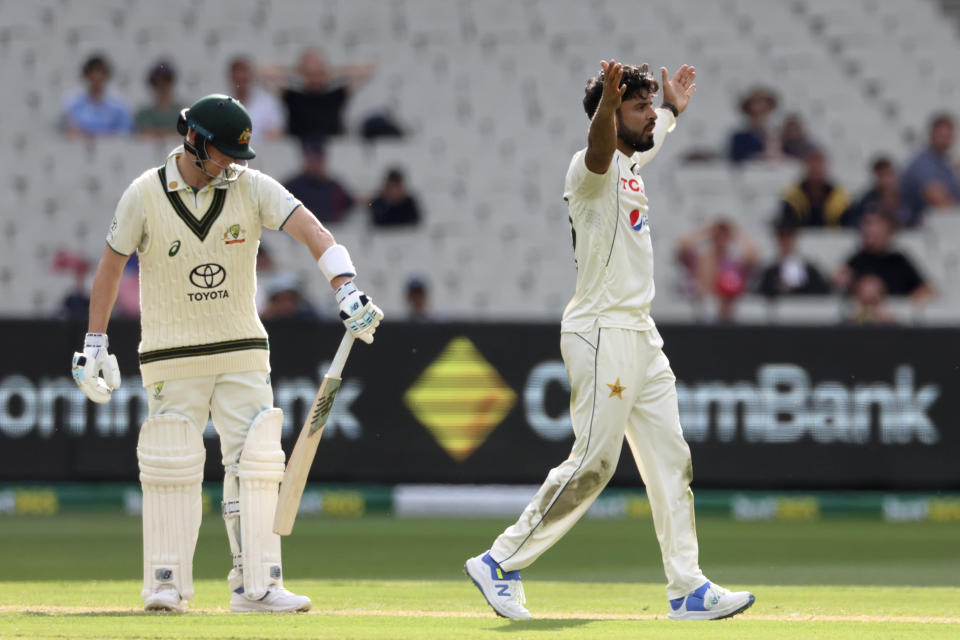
(336, 262)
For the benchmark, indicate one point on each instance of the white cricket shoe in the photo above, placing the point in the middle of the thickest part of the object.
(710, 602)
(502, 589)
(165, 598)
(277, 599)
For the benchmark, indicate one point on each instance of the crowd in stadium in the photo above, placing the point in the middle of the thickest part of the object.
(719, 261)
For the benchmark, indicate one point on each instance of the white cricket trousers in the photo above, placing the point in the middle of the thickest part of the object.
(233, 400)
(620, 384)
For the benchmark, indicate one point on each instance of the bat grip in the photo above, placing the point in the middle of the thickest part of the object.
(340, 359)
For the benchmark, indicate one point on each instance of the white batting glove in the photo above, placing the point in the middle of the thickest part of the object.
(359, 314)
(88, 365)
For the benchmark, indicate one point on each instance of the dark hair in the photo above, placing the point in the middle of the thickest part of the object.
(758, 92)
(395, 174)
(784, 225)
(639, 82)
(237, 61)
(314, 144)
(94, 62)
(879, 214)
(881, 162)
(162, 70)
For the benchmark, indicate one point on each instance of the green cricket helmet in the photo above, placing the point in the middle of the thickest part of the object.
(221, 121)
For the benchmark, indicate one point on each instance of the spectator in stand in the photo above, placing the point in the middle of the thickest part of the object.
(877, 256)
(96, 111)
(883, 195)
(394, 206)
(816, 201)
(719, 259)
(790, 274)
(285, 300)
(870, 299)
(794, 142)
(159, 118)
(264, 108)
(76, 305)
(325, 196)
(316, 103)
(930, 181)
(418, 301)
(757, 140)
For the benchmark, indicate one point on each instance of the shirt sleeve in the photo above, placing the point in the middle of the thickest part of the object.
(855, 262)
(912, 277)
(274, 202)
(582, 182)
(127, 231)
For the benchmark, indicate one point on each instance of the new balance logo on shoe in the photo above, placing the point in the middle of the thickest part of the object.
(502, 590)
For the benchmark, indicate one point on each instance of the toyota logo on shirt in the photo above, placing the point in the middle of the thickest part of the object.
(208, 276)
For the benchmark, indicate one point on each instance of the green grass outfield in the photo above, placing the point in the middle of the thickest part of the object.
(77, 576)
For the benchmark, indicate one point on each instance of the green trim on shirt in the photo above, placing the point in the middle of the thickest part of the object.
(119, 253)
(199, 227)
(280, 228)
(204, 349)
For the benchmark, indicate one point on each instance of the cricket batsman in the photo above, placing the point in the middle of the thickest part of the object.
(620, 380)
(195, 223)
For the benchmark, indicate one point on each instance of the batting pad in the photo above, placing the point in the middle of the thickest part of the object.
(260, 471)
(171, 454)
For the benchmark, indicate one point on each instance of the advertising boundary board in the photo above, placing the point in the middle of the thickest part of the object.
(762, 407)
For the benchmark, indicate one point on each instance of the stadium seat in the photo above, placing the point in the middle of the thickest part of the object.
(489, 94)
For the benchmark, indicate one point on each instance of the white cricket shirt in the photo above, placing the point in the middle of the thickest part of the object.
(611, 237)
(198, 255)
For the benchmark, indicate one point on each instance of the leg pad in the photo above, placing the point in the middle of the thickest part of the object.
(171, 455)
(260, 471)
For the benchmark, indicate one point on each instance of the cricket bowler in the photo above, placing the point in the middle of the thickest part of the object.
(195, 223)
(620, 380)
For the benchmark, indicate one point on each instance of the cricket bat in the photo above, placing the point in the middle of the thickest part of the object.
(301, 459)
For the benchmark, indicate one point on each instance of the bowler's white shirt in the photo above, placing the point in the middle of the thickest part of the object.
(609, 213)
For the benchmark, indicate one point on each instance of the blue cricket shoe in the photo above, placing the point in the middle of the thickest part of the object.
(710, 602)
(502, 589)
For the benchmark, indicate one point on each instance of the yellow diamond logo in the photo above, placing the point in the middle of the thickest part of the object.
(460, 399)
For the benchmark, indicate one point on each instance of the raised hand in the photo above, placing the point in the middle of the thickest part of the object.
(613, 91)
(680, 88)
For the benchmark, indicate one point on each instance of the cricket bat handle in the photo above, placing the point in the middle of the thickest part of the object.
(340, 359)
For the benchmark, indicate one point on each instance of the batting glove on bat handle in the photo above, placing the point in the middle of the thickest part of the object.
(359, 315)
(88, 365)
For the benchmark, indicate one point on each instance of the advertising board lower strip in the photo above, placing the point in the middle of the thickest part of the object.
(499, 501)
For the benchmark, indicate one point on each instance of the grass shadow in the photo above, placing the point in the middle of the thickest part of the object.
(105, 613)
(542, 624)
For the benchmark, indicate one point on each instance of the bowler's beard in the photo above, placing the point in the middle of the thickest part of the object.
(636, 140)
